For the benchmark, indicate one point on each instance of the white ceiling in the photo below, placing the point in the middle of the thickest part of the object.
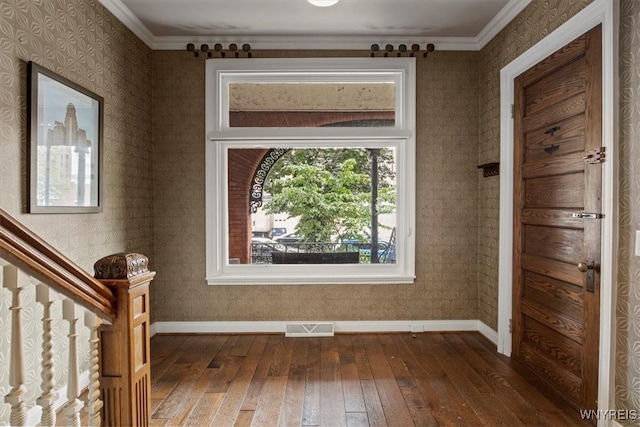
(286, 24)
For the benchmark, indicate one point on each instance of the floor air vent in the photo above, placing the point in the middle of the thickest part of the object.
(309, 330)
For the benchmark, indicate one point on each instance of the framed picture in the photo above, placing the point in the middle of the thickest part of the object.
(65, 132)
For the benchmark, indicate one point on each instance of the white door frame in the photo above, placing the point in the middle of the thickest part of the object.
(603, 12)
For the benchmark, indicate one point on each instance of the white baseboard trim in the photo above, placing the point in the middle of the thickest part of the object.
(489, 333)
(35, 412)
(345, 326)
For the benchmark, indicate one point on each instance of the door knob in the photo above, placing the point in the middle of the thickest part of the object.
(585, 266)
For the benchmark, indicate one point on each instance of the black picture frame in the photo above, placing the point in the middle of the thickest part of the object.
(66, 143)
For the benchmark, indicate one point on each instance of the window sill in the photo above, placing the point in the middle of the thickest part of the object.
(268, 275)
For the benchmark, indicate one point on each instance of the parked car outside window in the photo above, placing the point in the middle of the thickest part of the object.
(288, 238)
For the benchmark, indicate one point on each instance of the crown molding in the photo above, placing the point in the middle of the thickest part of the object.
(501, 20)
(316, 42)
(295, 42)
(129, 20)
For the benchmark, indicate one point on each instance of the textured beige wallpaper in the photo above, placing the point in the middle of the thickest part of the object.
(458, 128)
(628, 312)
(539, 19)
(446, 287)
(83, 42)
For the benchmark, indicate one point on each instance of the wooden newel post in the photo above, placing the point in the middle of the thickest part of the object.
(125, 379)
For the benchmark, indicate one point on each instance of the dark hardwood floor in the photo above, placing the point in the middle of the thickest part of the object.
(425, 379)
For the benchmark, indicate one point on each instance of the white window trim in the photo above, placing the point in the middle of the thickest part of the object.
(220, 137)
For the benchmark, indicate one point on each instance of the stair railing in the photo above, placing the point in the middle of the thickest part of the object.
(113, 305)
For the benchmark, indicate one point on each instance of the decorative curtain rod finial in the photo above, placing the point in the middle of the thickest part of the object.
(192, 48)
(247, 48)
(218, 49)
(430, 48)
(402, 49)
(205, 49)
(374, 48)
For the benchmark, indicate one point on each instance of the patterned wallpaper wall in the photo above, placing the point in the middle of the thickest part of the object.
(458, 99)
(83, 42)
(446, 286)
(628, 312)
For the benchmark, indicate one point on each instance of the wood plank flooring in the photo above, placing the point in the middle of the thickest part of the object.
(425, 379)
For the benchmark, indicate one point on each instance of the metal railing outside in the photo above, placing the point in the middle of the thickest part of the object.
(261, 252)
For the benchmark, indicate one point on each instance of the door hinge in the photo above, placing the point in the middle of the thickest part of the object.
(587, 215)
(510, 326)
(594, 156)
(513, 111)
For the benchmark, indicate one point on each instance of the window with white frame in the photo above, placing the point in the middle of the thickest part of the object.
(310, 171)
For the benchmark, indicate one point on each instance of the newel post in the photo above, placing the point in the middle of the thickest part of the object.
(125, 363)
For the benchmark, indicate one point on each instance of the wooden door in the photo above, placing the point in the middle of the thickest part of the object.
(558, 155)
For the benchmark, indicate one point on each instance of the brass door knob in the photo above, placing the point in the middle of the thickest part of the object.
(588, 267)
(585, 266)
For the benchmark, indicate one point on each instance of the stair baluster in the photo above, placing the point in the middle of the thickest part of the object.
(94, 404)
(46, 296)
(14, 280)
(70, 313)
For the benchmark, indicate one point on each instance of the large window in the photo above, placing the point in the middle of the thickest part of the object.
(310, 162)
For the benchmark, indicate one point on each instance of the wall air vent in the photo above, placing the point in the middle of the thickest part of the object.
(323, 329)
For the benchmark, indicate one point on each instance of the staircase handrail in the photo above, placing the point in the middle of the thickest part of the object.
(50, 266)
